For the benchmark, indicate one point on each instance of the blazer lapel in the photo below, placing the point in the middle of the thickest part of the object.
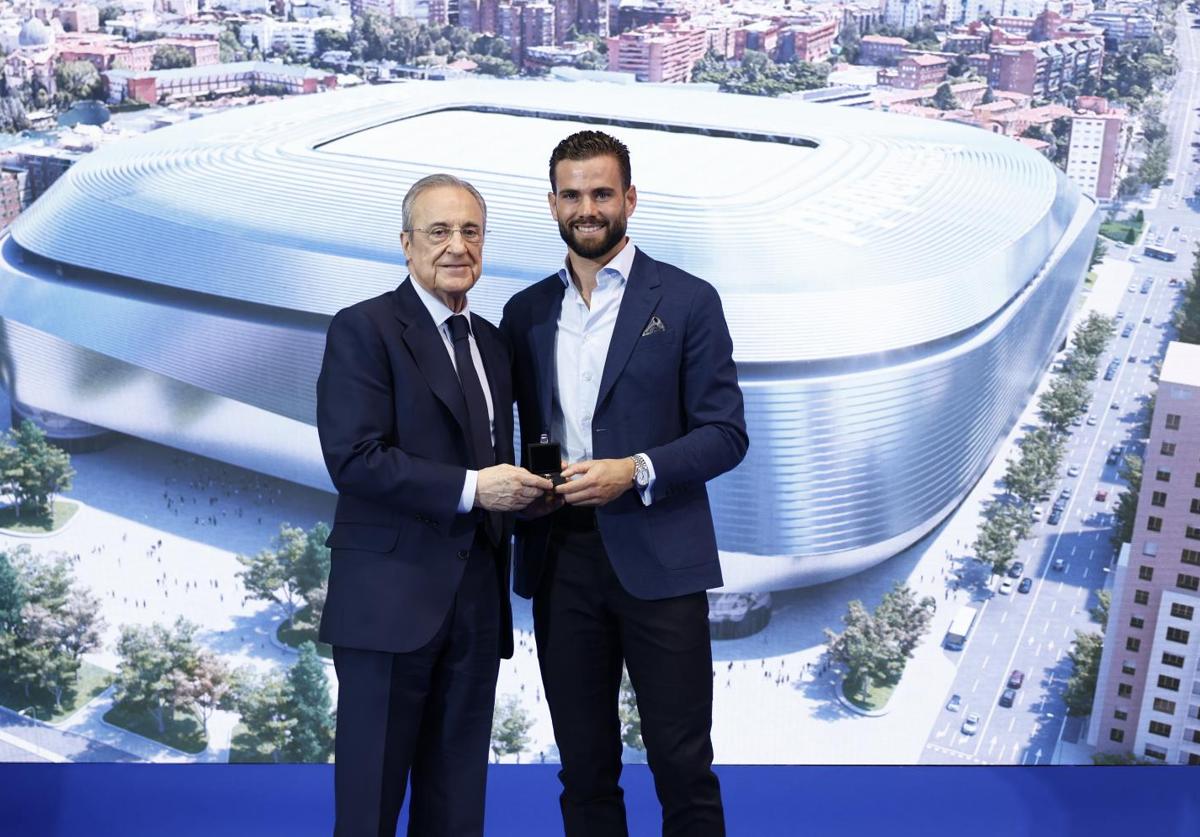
(429, 351)
(637, 305)
(541, 339)
(495, 364)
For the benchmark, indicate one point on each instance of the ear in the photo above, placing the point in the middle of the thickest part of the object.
(552, 200)
(406, 243)
(630, 199)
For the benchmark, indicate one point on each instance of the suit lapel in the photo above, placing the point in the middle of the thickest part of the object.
(495, 364)
(541, 339)
(641, 297)
(429, 351)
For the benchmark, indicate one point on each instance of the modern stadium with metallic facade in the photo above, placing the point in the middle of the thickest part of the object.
(895, 287)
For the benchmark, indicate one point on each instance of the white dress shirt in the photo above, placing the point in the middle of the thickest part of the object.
(580, 349)
(441, 316)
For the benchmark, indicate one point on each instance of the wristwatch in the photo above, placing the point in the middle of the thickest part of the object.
(641, 471)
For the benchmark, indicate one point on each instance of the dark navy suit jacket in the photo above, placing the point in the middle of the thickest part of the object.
(393, 426)
(672, 394)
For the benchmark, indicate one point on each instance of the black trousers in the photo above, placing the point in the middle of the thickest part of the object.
(424, 716)
(585, 624)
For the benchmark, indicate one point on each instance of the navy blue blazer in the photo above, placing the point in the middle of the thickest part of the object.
(394, 432)
(672, 394)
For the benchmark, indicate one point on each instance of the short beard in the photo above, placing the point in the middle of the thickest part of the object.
(616, 232)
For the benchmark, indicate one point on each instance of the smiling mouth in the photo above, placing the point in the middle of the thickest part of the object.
(587, 227)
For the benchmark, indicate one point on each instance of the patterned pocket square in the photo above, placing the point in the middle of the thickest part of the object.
(656, 325)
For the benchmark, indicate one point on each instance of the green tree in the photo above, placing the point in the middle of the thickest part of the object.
(325, 40)
(12, 595)
(944, 99)
(156, 668)
(1100, 611)
(1061, 402)
(33, 470)
(1125, 510)
(1099, 251)
(1085, 660)
(267, 723)
(274, 575)
(312, 567)
(996, 543)
(630, 717)
(307, 694)
(851, 43)
(108, 13)
(510, 727)
(869, 651)
(905, 616)
(77, 80)
(499, 67)
(1187, 315)
(171, 57)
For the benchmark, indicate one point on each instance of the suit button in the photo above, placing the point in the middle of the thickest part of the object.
(463, 555)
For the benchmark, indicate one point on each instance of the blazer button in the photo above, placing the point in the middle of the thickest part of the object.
(463, 554)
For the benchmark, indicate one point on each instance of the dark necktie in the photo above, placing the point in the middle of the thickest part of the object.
(477, 412)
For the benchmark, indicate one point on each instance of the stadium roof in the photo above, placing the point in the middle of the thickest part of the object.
(830, 232)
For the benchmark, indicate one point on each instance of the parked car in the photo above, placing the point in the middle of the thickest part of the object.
(1054, 517)
(970, 724)
(1026, 585)
(1065, 494)
(1128, 330)
(1146, 320)
(1058, 564)
(955, 703)
(1037, 513)
(1102, 495)
(1015, 569)
(1016, 679)
(1073, 471)
(1006, 587)
(1091, 421)
(1114, 454)
(1008, 697)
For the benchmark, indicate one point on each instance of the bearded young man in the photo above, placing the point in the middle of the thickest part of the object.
(627, 363)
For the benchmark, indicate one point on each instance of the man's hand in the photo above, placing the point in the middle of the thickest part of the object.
(600, 481)
(506, 488)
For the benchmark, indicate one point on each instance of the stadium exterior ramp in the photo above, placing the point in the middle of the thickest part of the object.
(895, 287)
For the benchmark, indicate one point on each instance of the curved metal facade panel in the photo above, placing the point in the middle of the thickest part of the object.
(894, 287)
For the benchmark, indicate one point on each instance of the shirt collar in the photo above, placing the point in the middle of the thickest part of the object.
(438, 309)
(618, 268)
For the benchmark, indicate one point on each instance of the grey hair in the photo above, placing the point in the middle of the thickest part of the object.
(435, 181)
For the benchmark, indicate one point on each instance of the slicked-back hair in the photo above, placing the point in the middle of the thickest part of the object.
(435, 181)
(586, 145)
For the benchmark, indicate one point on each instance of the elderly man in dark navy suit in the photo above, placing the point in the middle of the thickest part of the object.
(627, 363)
(415, 420)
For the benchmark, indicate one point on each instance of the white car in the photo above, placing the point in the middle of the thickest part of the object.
(1037, 513)
(970, 724)
(1073, 471)
(1135, 258)
(1091, 421)
(1006, 587)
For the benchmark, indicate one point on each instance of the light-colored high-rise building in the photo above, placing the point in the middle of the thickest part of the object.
(1093, 155)
(1148, 690)
(657, 53)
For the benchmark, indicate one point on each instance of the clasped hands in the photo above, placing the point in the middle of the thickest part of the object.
(593, 482)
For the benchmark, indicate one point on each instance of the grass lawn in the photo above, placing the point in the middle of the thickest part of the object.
(64, 510)
(185, 732)
(1119, 230)
(91, 681)
(877, 695)
(301, 631)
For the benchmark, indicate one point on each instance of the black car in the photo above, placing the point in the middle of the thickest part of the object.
(1114, 454)
(1008, 697)
(1128, 330)
(1016, 569)
(1025, 586)
(1055, 517)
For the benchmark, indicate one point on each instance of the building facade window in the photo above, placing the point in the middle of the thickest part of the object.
(1120, 714)
(1137, 622)
(1146, 573)
(1159, 728)
(1191, 556)
(1155, 752)
(1173, 660)
(1178, 635)
(1182, 611)
(1162, 475)
(1172, 421)
(1187, 582)
(1125, 690)
(1133, 644)
(1167, 449)
(1116, 734)
(1128, 668)
(1158, 498)
(1154, 524)
(1193, 532)
(1164, 705)
(1141, 596)
(1194, 508)
(1171, 684)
